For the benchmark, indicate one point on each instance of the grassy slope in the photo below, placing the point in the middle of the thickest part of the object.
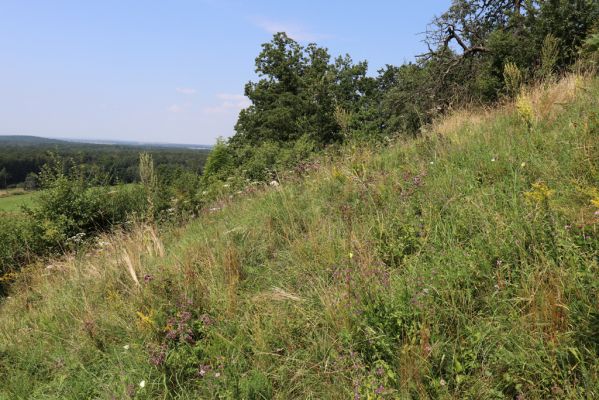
(433, 268)
(12, 200)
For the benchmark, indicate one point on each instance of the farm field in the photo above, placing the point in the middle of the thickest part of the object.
(12, 200)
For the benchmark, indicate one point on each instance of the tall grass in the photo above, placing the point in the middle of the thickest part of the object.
(461, 264)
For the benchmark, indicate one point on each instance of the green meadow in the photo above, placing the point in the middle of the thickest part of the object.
(12, 200)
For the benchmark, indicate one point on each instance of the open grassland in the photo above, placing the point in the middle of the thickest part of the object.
(12, 200)
(461, 264)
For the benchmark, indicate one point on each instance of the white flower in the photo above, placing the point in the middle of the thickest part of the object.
(217, 374)
(142, 384)
(492, 160)
(523, 165)
(432, 162)
(126, 347)
(442, 382)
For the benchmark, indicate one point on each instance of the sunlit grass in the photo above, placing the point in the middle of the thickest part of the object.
(12, 200)
(461, 264)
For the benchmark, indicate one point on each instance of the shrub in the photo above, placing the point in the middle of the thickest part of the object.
(512, 77)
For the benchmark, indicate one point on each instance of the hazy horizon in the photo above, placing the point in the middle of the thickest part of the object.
(170, 73)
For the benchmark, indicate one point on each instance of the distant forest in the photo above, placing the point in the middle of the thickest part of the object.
(22, 157)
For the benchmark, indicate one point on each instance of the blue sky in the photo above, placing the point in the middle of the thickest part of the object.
(171, 71)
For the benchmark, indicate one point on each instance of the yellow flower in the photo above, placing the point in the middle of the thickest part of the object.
(539, 193)
(146, 320)
(525, 110)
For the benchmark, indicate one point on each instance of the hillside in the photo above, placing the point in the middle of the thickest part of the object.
(24, 140)
(460, 264)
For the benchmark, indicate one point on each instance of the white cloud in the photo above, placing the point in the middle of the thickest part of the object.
(175, 108)
(293, 30)
(185, 90)
(228, 103)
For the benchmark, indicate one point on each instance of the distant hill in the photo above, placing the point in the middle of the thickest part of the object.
(24, 154)
(25, 140)
(28, 140)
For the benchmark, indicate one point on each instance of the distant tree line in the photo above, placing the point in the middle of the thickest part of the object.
(305, 101)
(20, 163)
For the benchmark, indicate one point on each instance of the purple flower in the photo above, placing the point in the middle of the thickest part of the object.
(158, 355)
(380, 389)
(206, 320)
(184, 316)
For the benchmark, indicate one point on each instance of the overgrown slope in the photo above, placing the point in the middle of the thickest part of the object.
(462, 264)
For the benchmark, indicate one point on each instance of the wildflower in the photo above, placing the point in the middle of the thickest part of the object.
(380, 389)
(493, 159)
(351, 255)
(226, 185)
(142, 384)
(432, 162)
(126, 347)
(148, 278)
(217, 374)
(523, 165)
(539, 193)
(146, 321)
(525, 110)
(442, 382)
(206, 320)
(204, 370)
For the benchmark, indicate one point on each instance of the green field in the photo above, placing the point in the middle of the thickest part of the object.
(11, 200)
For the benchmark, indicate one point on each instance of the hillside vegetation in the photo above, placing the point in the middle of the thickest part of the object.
(459, 264)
